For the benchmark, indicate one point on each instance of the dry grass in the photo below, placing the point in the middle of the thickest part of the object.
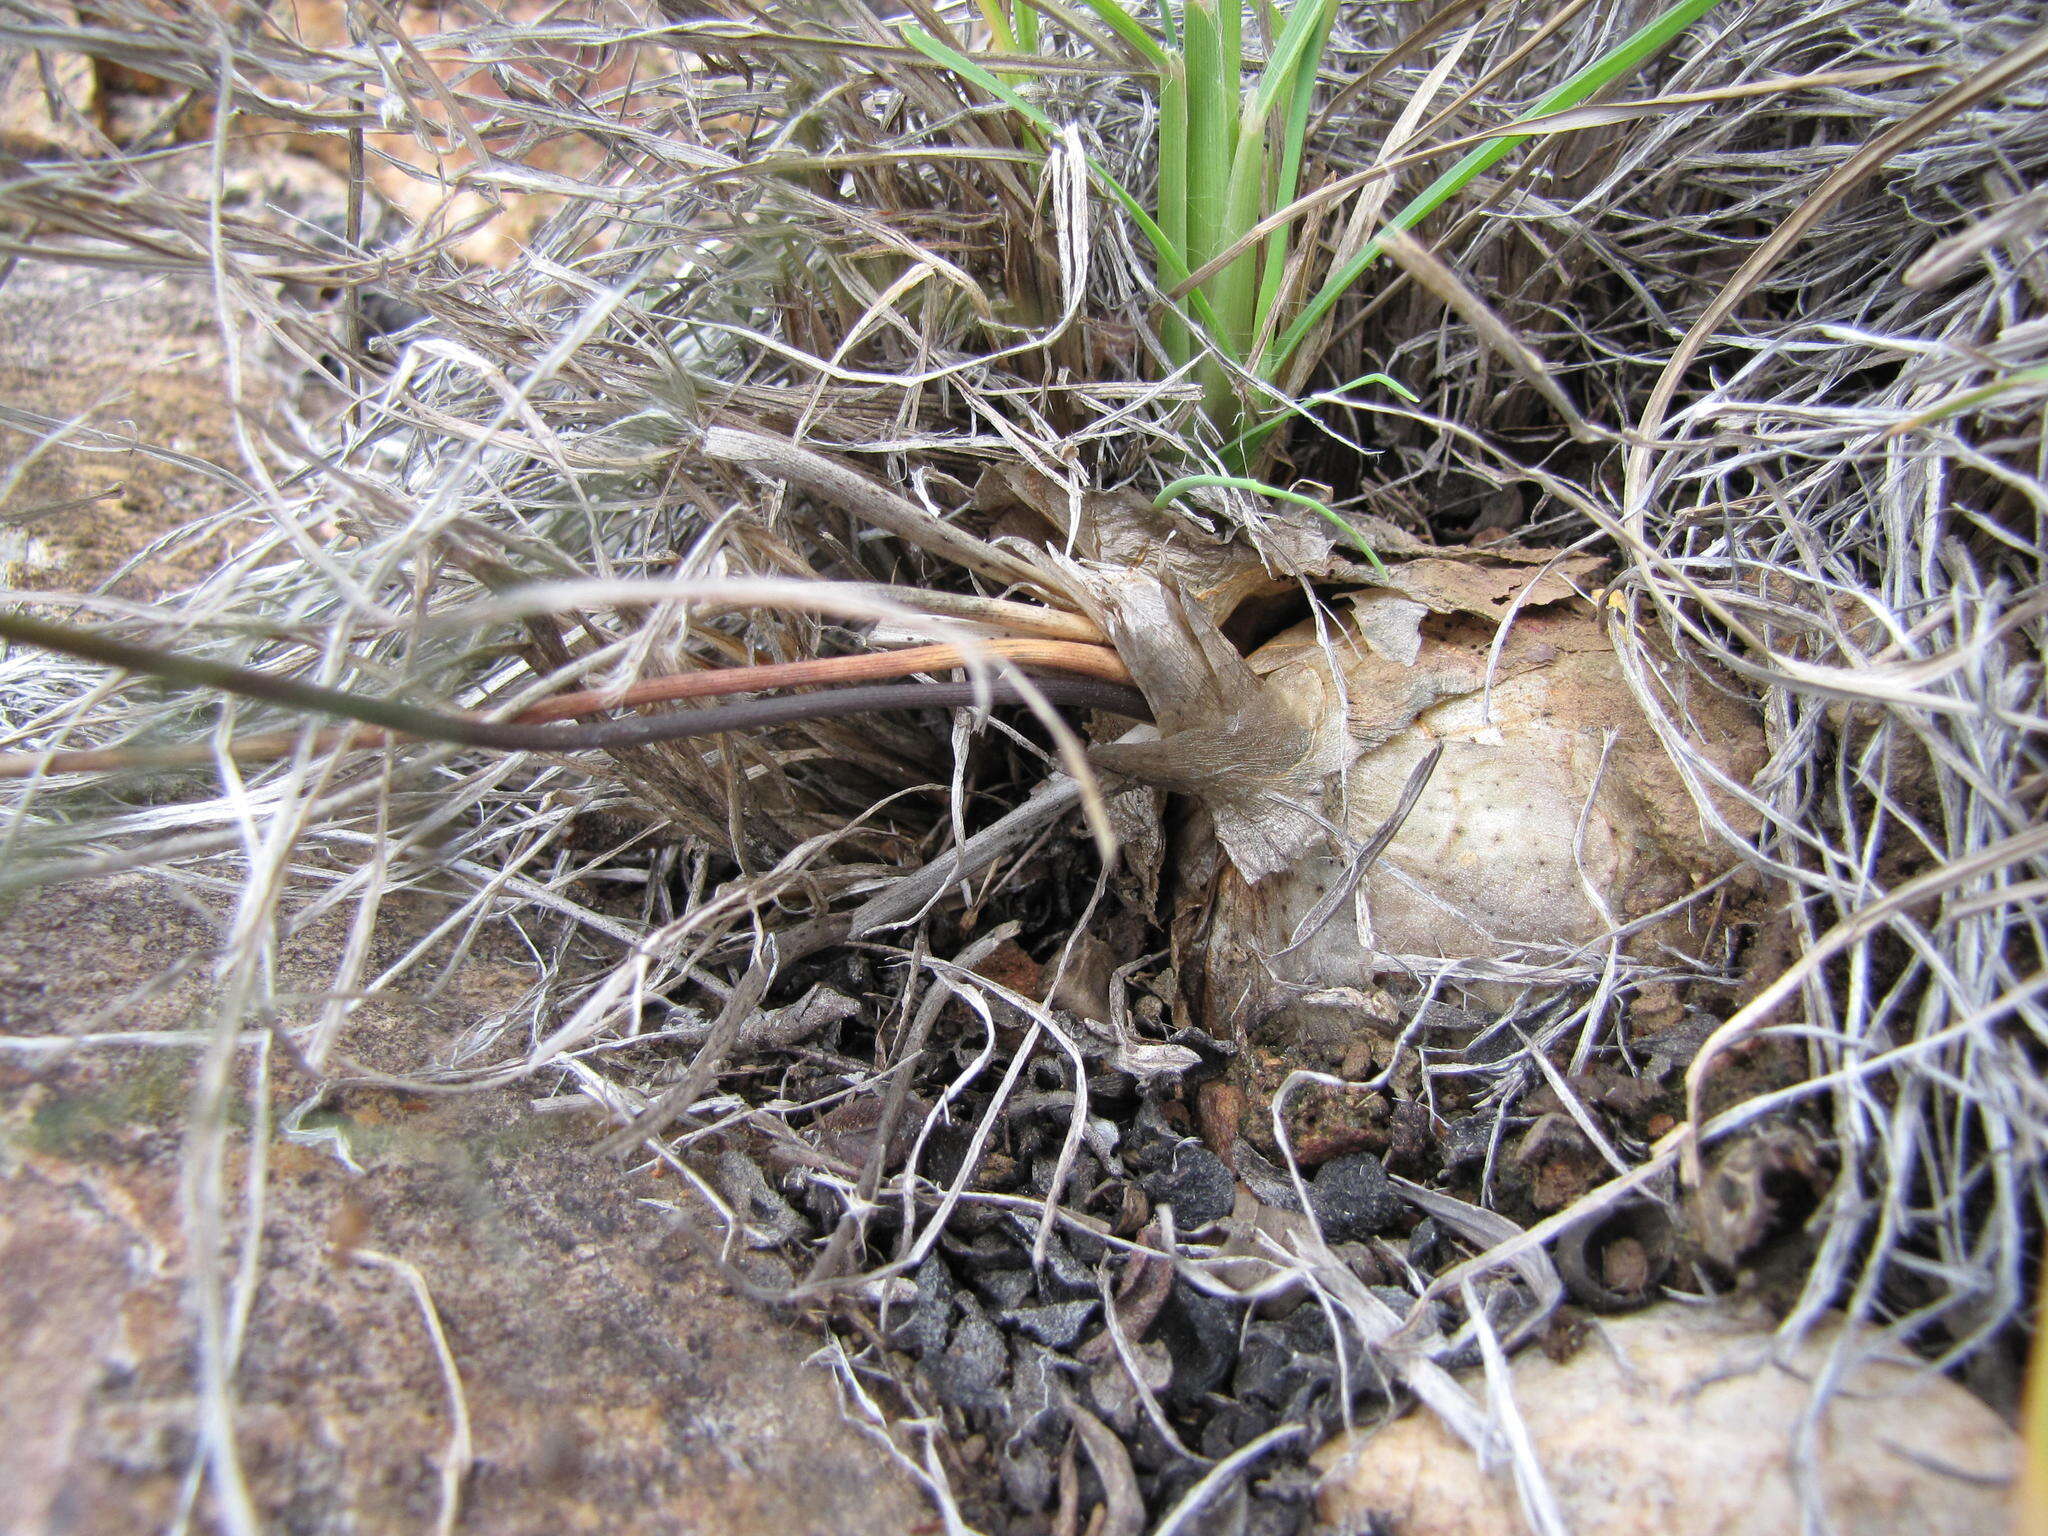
(1773, 279)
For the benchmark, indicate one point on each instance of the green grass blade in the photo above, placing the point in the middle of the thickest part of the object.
(1234, 290)
(1173, 267)
(1970, 399)
(1260, 488)
(1298, 47)
(1242, 448)
(1318, 17)
(1301, 97)
(1173, 193)
(998, 25)
(1212, 128)
(961, 65)
(1214, 101)
(1131, 30)
(1230, 47)
(1649, 39)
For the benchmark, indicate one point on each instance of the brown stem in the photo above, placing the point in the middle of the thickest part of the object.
(386, 719)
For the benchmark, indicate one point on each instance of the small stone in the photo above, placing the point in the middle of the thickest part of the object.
(1002, 1288)
(969, 1373)
(1195, 1183)
(1058, 1326)
(1271, 1370)
(1114, 1395)
(1276, 1517)
(1403, 1302)
(1087, 1249)
(1353, 1198)
(1063, 1276)
(1308, 1330)
(1422, 1245)
(1466, 1140)
(1200, 1334)
(1036, 1412)
(1272, 1186)
(1233, 1425)
(930, 1317)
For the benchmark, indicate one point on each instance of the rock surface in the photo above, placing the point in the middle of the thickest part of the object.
(613, 1381)
(47, 100)
(1677, 1422)
(103, 366)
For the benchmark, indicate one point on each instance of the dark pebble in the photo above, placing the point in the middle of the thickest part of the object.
(1002, 1288)
(1036, 1412)
(1308, 1330)
(1233, 1425)
(1085, 1173)
(987, 1250)
(1063, 1276)
(1086, 1246)
(1465, 1141)
(1027, 1475)
(1276, 1517)
(1196, 1183)
(1200, 1335)
(1492, 1045)
(945, 1153)
(969, 1373)
(1171, 1484)
(1423, 1243)
(1273, 1185)
(1150, 1454)
(1353, 1198)
(1271, 1370)
(930, 1317)
(1403, 1302)
(1058, 1326)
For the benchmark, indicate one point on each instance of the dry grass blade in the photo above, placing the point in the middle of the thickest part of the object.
(1418, 262)
(458, 1458)
(1985, 82)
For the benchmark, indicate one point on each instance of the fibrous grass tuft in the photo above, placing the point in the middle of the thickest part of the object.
(1788, 264)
